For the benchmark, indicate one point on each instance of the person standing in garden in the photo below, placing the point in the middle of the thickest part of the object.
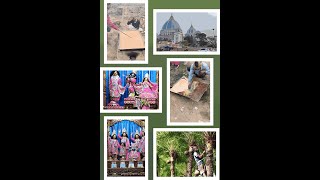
(199, 161)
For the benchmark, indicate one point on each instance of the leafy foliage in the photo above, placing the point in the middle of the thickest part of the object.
(179, 141)
(189, 40)
(201, 39)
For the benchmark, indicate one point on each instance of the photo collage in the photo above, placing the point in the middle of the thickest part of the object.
(159, 89)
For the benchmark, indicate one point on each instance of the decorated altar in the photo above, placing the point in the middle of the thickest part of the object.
(131, 89)
(125, 149)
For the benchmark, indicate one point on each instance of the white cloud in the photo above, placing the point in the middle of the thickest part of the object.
(213, 14)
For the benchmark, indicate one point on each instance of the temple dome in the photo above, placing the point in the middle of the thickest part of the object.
(191, 30)
(171, 24)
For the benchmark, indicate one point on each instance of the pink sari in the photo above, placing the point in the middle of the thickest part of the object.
(114, 144)
(147, 90)
(116, 89)
(136, 143)
(142, 145)
(134, 155)
(123, 151)
(124, 140)
(109, 146)
(132, 82)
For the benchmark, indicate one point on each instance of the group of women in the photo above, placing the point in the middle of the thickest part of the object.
(144, 90)
(134, 151)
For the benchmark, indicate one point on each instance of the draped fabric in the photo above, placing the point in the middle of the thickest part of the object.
(130, 127)
(148, 90)
(123, 75)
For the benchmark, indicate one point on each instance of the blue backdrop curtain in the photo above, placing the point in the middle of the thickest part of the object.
(123, 75)
(130, 126)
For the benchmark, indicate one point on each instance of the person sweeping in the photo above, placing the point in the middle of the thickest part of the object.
(110, 24)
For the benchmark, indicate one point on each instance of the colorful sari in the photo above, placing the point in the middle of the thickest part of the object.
(123, 152)
(136, 143)
(134, 156)
(109, 146)
(114, 144)
(124, 140)
(142, 145)
(147, 90)
(116, 89)
(132, 82)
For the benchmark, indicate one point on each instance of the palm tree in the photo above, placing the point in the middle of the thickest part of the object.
(173, 157)
(172, 145)
(169, 146)
(209, 138)
(189, 138)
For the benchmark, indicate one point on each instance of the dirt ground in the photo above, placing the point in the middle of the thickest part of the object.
(183, 109)
(120, 14)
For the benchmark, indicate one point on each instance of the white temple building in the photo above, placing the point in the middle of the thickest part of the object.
(171, 31)
(191, 31)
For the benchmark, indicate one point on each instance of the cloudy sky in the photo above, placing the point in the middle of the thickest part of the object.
(201, 21)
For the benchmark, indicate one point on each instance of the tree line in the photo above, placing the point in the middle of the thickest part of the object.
(175, 153)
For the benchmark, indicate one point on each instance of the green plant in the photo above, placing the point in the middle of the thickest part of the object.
(179, 142)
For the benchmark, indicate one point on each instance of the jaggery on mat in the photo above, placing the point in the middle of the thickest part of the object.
(180, 86)
(198, 88)
(135, 41)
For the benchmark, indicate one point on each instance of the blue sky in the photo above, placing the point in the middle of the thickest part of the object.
(200, 20)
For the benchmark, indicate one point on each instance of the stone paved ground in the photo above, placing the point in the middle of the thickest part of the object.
(120, 14)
